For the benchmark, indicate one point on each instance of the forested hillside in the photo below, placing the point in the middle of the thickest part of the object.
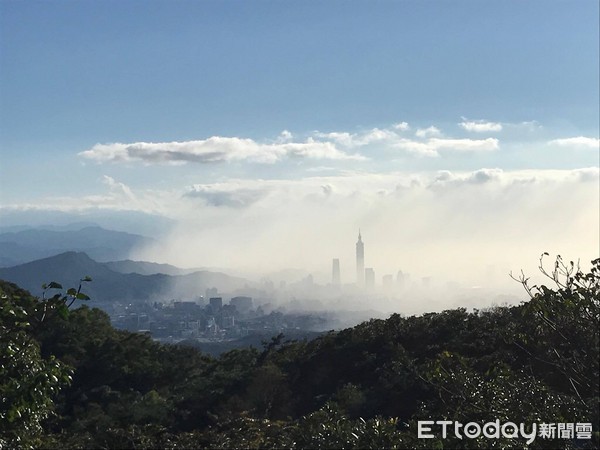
(68, 379)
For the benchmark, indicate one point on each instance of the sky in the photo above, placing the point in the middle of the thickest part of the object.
(461, 137)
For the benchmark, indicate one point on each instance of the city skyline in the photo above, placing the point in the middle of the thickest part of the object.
(361, 271)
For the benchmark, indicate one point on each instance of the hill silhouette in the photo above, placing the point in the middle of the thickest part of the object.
(110, 285)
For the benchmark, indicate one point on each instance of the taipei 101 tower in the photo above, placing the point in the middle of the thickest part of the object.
(360, 261)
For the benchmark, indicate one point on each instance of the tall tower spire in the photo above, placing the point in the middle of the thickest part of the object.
(360, 261)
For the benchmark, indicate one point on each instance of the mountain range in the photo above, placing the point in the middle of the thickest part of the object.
(109, 283)
(18, 247)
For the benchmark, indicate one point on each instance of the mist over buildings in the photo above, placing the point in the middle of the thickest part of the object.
(438, 240)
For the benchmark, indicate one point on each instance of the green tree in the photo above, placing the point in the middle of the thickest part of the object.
(28, 382)
(560, 328)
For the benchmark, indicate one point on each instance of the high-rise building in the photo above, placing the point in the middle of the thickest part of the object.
(360, 261)
(369, 278)
(216, 303)
(335, 272)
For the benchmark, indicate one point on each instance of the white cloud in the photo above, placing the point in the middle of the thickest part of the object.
(114, 196)
(480, 126)
(587, 174)
(402, 126)
(345, 139)
(227, 194)
(465, 145)
(429, 142)
(328, 189)
(446, 179)
(428, 132)
(416, 147)
(214, 150)
(433, 146)
(340, 137)
(377, 135)
(118, 187)
(333, 146)
(286, 135)
(579, 141)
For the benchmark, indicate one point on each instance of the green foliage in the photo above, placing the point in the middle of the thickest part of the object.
(560, 329)
(328, 428)
(27, 381)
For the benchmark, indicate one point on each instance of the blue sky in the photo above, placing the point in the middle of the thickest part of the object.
(85, 72)
(214, 100)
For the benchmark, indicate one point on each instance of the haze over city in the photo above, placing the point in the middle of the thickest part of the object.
(260, 138)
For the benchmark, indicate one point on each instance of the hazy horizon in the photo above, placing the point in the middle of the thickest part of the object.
(310, 288)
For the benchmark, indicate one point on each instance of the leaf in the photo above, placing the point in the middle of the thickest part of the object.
(54, 285)
(86, 279)
(82, 296)
(72, 291)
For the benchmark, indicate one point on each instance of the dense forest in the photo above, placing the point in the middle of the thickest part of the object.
(68, 379)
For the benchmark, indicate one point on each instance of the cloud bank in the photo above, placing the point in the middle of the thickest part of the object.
(214, 150)
(579, 141)
(469, 227)
(426, 141)
(436, 146)
(333, 146)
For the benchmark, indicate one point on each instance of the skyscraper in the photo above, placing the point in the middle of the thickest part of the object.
(369, 278)
(335, 272)
(360, 261)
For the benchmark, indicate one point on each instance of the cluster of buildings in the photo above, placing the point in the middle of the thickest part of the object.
(214, 320)
(185, 319)
(365, 276)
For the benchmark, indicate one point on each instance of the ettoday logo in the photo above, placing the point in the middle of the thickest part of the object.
(507, 430)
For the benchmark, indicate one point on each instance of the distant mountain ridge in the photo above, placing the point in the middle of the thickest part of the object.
(135, 222)
(146, 268)
(109, 285)
(28, 245)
